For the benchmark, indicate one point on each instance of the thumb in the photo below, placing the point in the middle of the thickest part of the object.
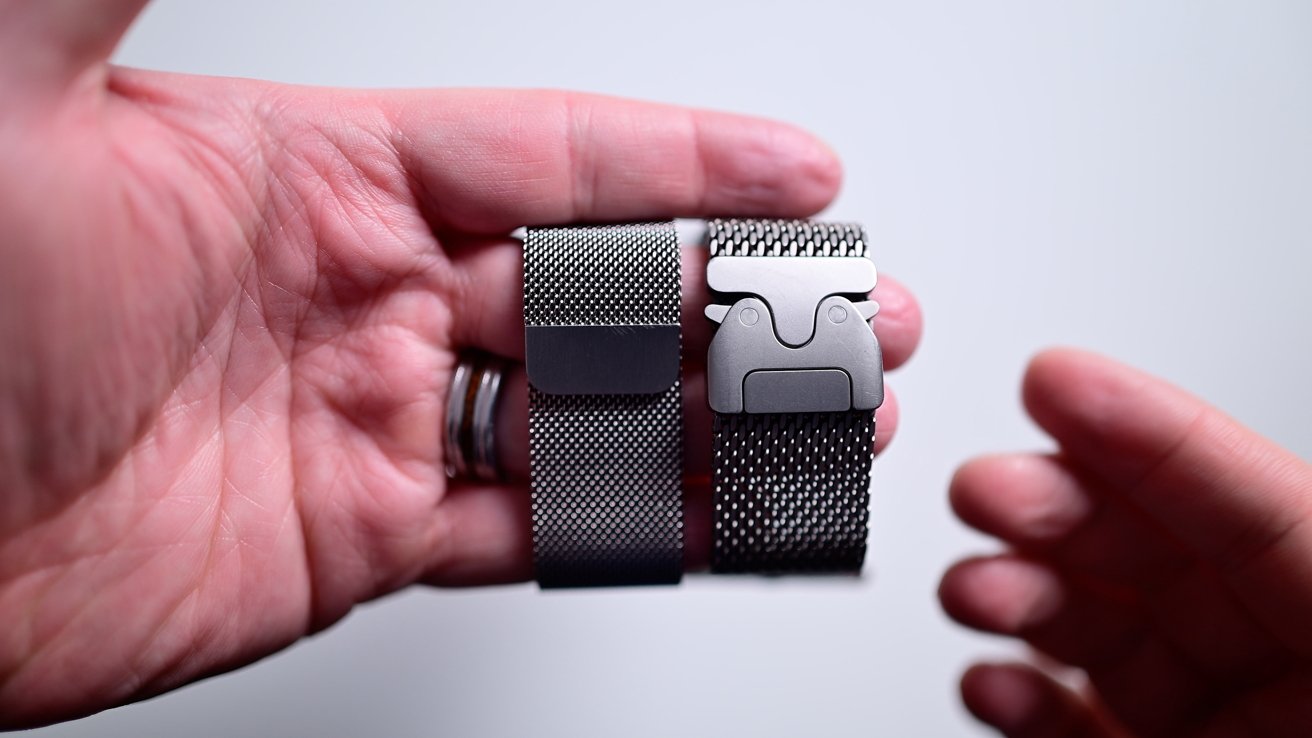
(1238, 501)
(47, 44)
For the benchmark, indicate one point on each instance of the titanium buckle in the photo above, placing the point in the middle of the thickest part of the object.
(789, 342)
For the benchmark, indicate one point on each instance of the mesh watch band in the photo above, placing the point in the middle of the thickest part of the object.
(791, 490)
(606, 466)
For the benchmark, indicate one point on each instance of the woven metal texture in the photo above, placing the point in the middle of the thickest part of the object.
(791, 491)
(606, 470)
(607, 488)
(602, 275)
(734, 237)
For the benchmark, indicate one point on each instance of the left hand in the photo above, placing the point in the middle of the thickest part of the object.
(229, 313)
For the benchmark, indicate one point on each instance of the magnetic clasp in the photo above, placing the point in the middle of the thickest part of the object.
(602, 359)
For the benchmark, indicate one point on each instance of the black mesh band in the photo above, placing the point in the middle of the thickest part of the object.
(606, 470)
(791, 491)
(734, 237)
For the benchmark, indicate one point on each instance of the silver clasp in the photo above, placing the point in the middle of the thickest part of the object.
(793, 339)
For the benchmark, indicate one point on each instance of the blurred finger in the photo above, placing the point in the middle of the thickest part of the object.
(1021, 702)
(53, 41)
(1143, 678)
(899, 323)
(1235, 499)
(1038, 504)
(1011, 596)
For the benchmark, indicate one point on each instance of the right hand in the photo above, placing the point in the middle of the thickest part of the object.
(1165, 550)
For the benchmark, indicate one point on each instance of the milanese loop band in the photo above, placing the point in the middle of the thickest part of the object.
(794, 377)
(601, 314)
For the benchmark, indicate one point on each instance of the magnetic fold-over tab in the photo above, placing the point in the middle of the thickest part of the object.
(602, 359)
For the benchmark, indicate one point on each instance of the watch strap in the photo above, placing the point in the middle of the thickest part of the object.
(791, 490)
(601, 308)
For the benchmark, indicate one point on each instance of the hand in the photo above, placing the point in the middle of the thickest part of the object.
(1164, 549)
(229, 311)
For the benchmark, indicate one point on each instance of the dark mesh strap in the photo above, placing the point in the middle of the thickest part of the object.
(733, 237)
(606, 470)
(791, 491)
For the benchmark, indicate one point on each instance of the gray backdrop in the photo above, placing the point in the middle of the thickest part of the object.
(1134, 177)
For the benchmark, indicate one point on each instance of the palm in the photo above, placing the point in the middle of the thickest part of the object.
(282, 463)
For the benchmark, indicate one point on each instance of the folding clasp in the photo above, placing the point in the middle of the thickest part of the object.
(793, 336)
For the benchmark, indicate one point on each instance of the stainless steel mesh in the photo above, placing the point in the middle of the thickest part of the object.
(791, 491)
(735, 237)
(602, 275)
(607, 488)
(606, 470)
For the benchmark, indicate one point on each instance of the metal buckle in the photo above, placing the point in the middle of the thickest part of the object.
(790, 342)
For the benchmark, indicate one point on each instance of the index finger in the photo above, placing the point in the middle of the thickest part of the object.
(488, 161)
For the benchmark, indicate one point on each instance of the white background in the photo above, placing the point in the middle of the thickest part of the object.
(1134, 177)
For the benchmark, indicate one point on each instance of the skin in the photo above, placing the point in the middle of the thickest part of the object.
(1163, 550)
(229, 312)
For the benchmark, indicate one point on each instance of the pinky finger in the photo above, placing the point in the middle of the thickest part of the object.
(1021, 702)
